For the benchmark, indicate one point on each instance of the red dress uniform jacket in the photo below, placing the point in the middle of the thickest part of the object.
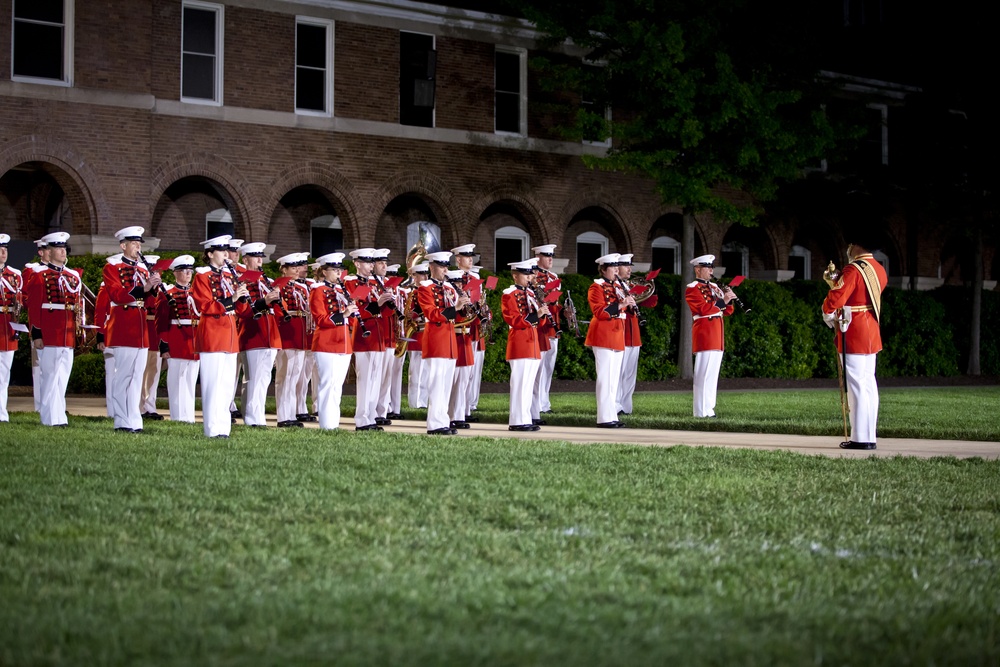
(152, 308)
(259, 332)
(706, 304)
(11, 286)
(607, 321)
(213, 291)
(547, 328)
(864, 335)
(519, 309)
(29, 271)
(102, 304)
(371, 317)
(389, 326)
(633, 337)
(334, 330)
(295, 296)
(126, 325)
(53, 297)
(177, 324)
(412, 309)
(437, 302)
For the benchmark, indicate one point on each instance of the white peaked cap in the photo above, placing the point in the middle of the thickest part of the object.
(611, 258)
(441, 257)
(524, 266)
(467, 249)
(294, 258)
(625, 258)
(381, 253)
(54, 238)
(235, 243)
(703, 260)
(548, 249)
(182, 261)
(422, 267)
(4, 239)
(457, 274)
(392, 268)
(364, 254)
(217, 242)
(129, 234)
(335, 258)
(256, 248)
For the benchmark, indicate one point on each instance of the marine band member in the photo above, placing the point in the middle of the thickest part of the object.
(548, 338)
(53, 295)
(291, 358)
(606, 337)
(440, 303)
(524, 315)
(10, 307)
(333, 343)
(176, 324)
(633, 341)
(709, 303)
(154, 363)
(416, 390)
(369, 340)
(260, 338)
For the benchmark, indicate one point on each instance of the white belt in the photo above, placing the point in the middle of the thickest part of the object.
(133, 304)
(58, 306)
(706, 317)
(184, 323)
(860, 309)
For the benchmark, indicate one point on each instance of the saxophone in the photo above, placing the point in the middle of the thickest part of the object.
(410, 323)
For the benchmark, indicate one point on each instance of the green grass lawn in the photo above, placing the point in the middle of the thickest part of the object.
(309, 548)
(958, 413)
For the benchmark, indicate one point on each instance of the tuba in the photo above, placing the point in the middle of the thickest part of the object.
(410, 323)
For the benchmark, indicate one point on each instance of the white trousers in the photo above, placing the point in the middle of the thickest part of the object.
(457, 405)
(257, 371)
(396, 375)
(543, 382)
(626, 386)
(54, 366)
(218, 377)
(6, 359)
(126, 386)
(477, 376)
(290, 365)
(440, 376)
(332, 371)
(302, 389)
(385, 385)
(522, 384)
(151, 381)
(706, 381)
(862, 396)
(416, 390)
(109, 371)
(182, 377)
(609, 373)
(369, 370)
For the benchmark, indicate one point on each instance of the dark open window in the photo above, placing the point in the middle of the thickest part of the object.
(39, 34)
(508, 92)
(200, 78)
(311, 67)
(417, 66)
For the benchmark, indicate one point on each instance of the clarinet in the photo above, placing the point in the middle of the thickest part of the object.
(281, 304)
(365, 333)
(633, 309)
(539, 291)
(163, 290)
(236, 278)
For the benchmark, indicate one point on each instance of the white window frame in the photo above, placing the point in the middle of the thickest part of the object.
(522, 109)
(744, 261)
(328, 79)
(328, 221)
(806, 254)
(399, 100)
(68, 43)
(593, 237)
(884, 109)
(216, 216)
(510, 232)
(669, 242)
(220, 19)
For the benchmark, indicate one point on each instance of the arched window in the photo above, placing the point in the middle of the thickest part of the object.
(510, 244)
(325, 235)
(218, 223)
(800, 261)
(736, 259)
(590, 246)
(666, 254)
(428, 232)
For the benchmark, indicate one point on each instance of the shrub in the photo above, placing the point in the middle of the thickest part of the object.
(916, 336)
(87, 376)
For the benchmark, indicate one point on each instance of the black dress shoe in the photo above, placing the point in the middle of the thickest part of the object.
(608, 425)
(442, 431)
(221, 435)
(383, 421)
(472, 419)
(305, 417)
(155, 416)
(519, 427)
(123, 429)
(236, 414)
(290, 423)
(850, 444)
(539, 422)
(546, 412)
(369, 427)
(460, 424)
(257, 425)
(394, 415)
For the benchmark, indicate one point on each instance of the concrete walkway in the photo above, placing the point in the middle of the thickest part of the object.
(804, 444)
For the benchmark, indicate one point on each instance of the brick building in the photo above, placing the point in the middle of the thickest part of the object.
(343, 123)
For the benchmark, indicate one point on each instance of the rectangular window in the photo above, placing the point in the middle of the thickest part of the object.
(595, 115)
(313, 66)
(510, 107)
(42, 41)
(201, 53)
(417, 66)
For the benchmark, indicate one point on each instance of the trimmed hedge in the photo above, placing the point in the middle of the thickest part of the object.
(923, 333)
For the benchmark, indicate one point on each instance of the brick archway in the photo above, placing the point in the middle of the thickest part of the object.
(536, 214)
(432, 191)
(235, 190)
(79, 182)
(340, 191)
(606, 201)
